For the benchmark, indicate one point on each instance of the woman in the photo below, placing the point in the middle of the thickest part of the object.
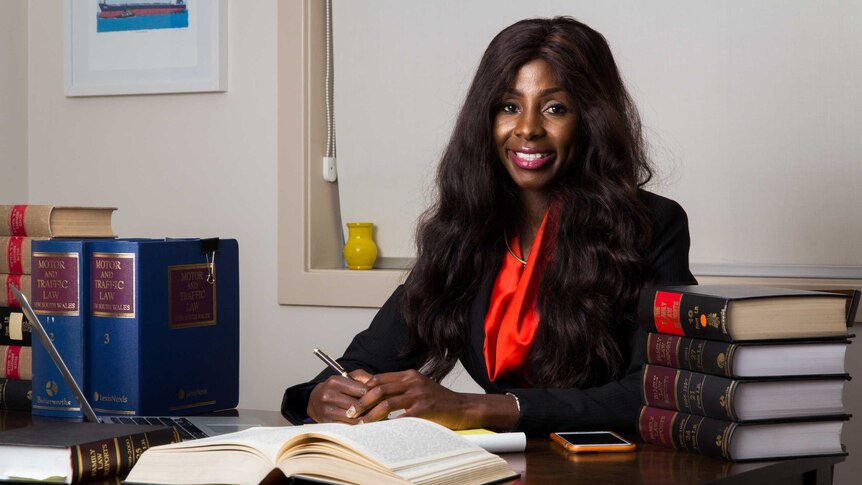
(531, 260)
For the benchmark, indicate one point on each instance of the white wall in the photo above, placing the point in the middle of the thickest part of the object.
(187, 165)
(13, 102)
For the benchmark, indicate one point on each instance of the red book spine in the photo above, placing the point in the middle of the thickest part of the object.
(663, 349)
(682, 431)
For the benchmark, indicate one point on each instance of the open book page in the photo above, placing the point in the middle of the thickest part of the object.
(393, 451)
(400, 442)
(262, 440)
(417, 450)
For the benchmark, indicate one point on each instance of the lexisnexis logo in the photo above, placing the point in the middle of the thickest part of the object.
(182, 394)
(109, 398)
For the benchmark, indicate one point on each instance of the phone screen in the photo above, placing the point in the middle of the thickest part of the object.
(592, 439)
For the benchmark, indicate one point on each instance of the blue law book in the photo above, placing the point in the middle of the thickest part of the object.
(60, 296)
(164, 326)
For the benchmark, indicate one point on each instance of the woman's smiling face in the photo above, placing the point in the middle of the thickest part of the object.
(534, 128)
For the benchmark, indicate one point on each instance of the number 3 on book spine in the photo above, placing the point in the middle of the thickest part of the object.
(113, 360)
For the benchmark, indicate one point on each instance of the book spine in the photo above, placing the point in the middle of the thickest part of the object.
(707, 356)
(15, 395)
(683, 431)
(25, 220)
(115, 457)
(689, 392)
(59, 298)
(114, 335)
(7, 281)
(16, 362)
(14, 327)
(689, 315)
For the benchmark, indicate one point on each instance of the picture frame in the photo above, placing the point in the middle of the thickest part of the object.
(121, 47)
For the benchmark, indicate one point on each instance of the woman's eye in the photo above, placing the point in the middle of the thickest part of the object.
(509, 108)
(556, 109)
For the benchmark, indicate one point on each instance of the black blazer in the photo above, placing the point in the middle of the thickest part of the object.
(614, 405)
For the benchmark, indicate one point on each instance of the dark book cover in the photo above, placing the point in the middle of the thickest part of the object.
(164, 326)
(701, 311)
(705, 394)
(714, 437)
(15, 395)
(714, 357)
(96, 451)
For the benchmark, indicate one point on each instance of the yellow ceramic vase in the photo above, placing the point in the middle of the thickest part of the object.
(360, 251)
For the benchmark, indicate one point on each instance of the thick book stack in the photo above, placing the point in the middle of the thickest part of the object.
(16, 368)
(25, 230)
(744, 372)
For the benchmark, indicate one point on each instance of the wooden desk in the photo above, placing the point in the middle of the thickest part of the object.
(545, 463)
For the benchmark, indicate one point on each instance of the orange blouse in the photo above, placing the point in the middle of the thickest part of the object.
(512, 318)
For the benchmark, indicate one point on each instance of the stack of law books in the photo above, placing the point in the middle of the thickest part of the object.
(23, 227)
(745, 372)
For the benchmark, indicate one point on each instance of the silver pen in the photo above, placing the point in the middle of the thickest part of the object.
(332, 363)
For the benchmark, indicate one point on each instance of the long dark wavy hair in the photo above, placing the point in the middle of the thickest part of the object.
(594, 271)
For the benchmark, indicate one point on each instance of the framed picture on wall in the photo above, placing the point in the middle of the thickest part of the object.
(115, 47)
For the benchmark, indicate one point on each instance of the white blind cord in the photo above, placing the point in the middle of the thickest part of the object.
(328, 87)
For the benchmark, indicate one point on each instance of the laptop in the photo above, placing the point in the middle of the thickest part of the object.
(189, 427)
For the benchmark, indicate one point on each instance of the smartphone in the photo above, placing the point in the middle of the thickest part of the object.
(592, 441)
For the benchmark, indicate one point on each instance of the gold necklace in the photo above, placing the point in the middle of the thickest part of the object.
(520, 260)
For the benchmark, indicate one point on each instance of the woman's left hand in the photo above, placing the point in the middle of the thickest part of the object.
(422, 397)
(418, 396)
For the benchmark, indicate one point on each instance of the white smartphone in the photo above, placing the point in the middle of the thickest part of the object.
(592, 441)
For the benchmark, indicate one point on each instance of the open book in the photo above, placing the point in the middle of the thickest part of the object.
(398, 451)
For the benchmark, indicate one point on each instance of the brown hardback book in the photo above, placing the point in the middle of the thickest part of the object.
(396, 451)
(736, 313)
(734, 441)
(76, 452)
(56, 221)
(770, 358)
(16, 253)
(16, 362)
(742, 399)
(7, 281)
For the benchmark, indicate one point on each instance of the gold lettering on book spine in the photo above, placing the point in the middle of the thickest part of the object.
(113, 278)
(191, 298)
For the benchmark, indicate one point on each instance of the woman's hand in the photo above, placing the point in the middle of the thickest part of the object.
(330, 400)
(422, 397)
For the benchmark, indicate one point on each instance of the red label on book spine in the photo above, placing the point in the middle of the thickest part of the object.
(16, 220)
(55, 284)
(112, 288)
(663, 349)
(656, 426)
(660, 387)
(191, 296)
(13, 280)
(666, 312)
(13, 359)
(15, 254)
